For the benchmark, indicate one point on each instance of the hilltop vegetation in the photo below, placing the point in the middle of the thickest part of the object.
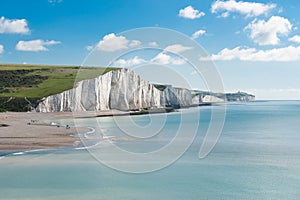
(34, 82)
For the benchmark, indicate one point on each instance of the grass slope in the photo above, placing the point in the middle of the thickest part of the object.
(34, 82)
(37, 81)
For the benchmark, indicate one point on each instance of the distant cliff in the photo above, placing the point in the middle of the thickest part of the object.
(240, 96)
(124, 90)
(211, 97)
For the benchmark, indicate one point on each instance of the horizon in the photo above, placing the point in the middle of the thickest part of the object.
(258, 98)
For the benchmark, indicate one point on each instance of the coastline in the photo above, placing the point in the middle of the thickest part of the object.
(26, 131)
(32, 131)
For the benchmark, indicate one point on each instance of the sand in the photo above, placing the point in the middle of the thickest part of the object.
(32, 130)
(25, 131)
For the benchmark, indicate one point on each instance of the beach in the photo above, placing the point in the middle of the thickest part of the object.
(25, 131)
(34, 130)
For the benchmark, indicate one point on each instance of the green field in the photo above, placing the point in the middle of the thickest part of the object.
(37, 81)
(34, 82)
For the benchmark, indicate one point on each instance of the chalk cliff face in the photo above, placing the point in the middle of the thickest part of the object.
(124, 90)
(200, 99)
(120, 89)
(212, 99)
(247, 98)
(176, 97)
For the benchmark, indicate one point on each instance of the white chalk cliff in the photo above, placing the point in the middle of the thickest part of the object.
(124, 90)
(119, 89)
(199, 99)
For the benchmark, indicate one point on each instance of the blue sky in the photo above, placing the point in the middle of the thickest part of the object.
(254, 44)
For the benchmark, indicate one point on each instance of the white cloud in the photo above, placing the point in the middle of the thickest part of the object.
(55, 1)
(161, 58)
(295, 38)
(198, 34)
(165, 59)
(111, 43)
(13, 26)
(268, 32)
(153, 44)
(1, 49)
(190, 13)
(285, 54)
(134, 43)
(177, 48)
(250, 9)
(130, 62)
(225, 15)
(35, 45)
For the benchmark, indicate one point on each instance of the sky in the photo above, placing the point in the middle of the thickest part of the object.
(255, 45)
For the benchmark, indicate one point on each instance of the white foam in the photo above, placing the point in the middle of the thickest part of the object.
(18, 153)
(37, 150)
(102, 143)
(89, 132)
(29, 151)
(108, 136)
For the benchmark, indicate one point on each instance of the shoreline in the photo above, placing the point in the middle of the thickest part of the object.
(32, 131)
(26, 131)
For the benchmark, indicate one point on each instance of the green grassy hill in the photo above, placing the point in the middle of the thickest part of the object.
(34, 82)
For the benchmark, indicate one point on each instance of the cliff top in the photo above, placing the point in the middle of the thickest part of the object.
(37, 81)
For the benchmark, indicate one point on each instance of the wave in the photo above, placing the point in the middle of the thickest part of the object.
(97, 144)
(18, 153)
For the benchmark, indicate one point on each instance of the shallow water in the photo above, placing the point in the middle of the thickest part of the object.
(256, 157)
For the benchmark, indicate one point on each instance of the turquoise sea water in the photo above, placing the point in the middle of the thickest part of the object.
(256, 157)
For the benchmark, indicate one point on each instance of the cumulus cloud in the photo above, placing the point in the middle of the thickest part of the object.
(225, 15)
(130, 62)
(267, 32)
(165, 59)
(19, 26)
(35, 45)
(153, 44)
(177, 48)
(111, 43)
(134, 43)
(190, 13)
(295, 38)
(250, 9)
(285, 54)
(1, 49)
(198, 34)
(55, 1)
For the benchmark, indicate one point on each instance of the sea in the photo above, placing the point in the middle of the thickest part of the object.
(256, 155)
